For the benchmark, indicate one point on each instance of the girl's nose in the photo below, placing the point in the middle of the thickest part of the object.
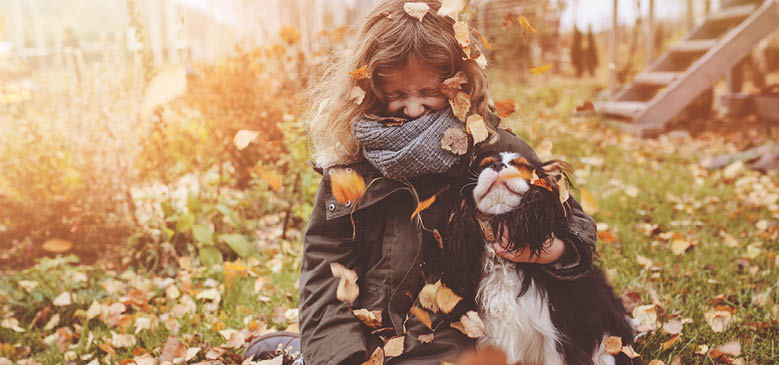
(414, 109)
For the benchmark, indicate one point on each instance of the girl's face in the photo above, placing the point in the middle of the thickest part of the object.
(412, 91)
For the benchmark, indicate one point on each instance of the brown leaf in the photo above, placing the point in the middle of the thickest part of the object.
(451, 86)
(475, 127)
(505, 107)
(628, 350)
(446, 299)
(613, 344)
(394, 346)
(428, 338)
(455, 141)
(57, 245)
(347, 186)
(172, 349)
(646, 315)
(422, 315)
(667, 344)
(361, 73)
(470, 324)
(417, 11)
(585, 106)
(462, 35)
(719, 357)
(347, 290)
(461, 103)
(718, 320)
(377, 358)
(371, 319)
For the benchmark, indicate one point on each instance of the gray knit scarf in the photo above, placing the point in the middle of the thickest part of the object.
(410, 149)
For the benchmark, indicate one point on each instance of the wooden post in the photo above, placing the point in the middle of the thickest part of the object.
(613, 50)
(650, 33)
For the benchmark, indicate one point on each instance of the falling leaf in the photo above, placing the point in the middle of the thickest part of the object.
(451, 86)
(475, 127)
(667, 344)
(446, 299)
(347, 185)
(505, 107)
(451, 8)
(673, 327)
(62, 300)
(428, 296)
(484, 40)
(455, 141)
(360, 73)
(377, 358)
(613, 344)
(589, 204)
(244, 137)
(718, 320)
(462, 35)
(416, 10)
(371, 319)
(525, 24)
(394, 346)
(461, 103)
(422, 315)
(357, 95)
(57, 245)
(607, 237)
(167, 85)
(270, 177)
(731, 348)
(628, 350)
(347, 290)
(646, 315)
(470, 324)
(540, 70)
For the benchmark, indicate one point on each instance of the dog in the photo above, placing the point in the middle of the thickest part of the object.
(535, 317)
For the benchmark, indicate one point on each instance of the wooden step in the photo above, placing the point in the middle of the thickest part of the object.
(694, 46)
(626, 109)
(733, 13)
(656, 78)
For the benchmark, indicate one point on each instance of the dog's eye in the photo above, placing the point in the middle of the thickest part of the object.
(519, 161)
(523, 166)
(487, 161)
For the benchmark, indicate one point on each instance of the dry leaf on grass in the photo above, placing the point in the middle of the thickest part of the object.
(347, 290)
(667, 344)
(461, 103)
(416, 10)
(377, 358)
(505, 107)
(451, 8)
(475, 127)
(656, 362)
(371, 319)
(718, 320)
(173, 349)
(613, 345)
(347, 186)
(62, 300)
(731, 348)
(394, 346)
(470, 324)
(422, 315)
(360, 73)
(673, 326)
(646, 315)
(628, 350)
(455, 141)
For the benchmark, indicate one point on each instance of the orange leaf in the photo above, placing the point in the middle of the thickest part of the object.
(544, 184)
(539, 70)
(423, 316)
(607, 237)
(346, 185)
(505, 107)
(667, 344)
(361, 73)
(57, 245)
(525, 24)
(423, 205)
(270, 177)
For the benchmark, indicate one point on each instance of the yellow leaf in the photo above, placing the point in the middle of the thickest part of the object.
(589, 204)
(484, 40)
(394, 346)
(475, 127)
(613, 345)
(525, 24)
(360, 73)
(679, 246)
(347, 186)
(423, 316)
(667, 344)
(428, 294)
(417, 11)
(423, 205)
(57, 245)
(540, 70)
(232, 271)
(347, 290)
(289, 34)
(271, 177)
(447, 299)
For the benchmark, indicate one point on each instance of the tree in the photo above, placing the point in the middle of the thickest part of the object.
(591, 55)
(577, 52)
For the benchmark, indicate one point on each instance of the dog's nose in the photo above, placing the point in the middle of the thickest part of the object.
(497, 166)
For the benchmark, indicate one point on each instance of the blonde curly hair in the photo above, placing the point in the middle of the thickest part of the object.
(388, 40)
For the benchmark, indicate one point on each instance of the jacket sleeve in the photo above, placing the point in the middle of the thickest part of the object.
(330, 333)
(579, 238)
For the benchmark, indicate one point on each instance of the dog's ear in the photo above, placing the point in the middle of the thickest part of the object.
(556, 168)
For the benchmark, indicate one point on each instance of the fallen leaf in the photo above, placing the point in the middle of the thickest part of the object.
(423, 205)
(475, 127)
(628, 350)
(57, 245)
(357, 95)
(525, 24)
(607, 237)
(347, 185)
(371, 319)
(394, 346)
(702, 349)
(455, 141)
(428, 338)
(270, 177)
(417, 11)
(718, 320)
(360, 73)
(428, 296)
(588, 202)
(505, 107)
(719, 357)
(278, 360)
(540, 70)
(729, 240)
(679, 246)
(123, 340)
(673, 327)
(62, 300)
(461, 103)
(12, 324)
(451, 8)
(191, 353)
(422, 315)
(613, 345)
(667, 344)
(347, 290)
(470, 324)
(236, 340)
(377, 358)
(752, 252)
(451, 86)
(446, 299)
(731, 348)
(646, 315)
(631, 191)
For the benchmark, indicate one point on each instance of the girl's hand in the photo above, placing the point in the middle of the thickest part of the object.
(553, 250)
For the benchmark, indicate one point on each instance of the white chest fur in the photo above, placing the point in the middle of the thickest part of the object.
(520, 326)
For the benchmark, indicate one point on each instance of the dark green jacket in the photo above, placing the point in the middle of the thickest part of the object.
(387, 249)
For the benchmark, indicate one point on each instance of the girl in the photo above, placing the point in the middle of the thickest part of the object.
(407, 59)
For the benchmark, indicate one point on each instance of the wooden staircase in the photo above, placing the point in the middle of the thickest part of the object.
(691, 66)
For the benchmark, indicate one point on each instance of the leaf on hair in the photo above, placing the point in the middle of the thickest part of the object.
(475, 127)
(455, 141)
(416, 10)
(451, 8)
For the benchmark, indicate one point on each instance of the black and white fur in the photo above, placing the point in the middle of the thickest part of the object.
(533, 316)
